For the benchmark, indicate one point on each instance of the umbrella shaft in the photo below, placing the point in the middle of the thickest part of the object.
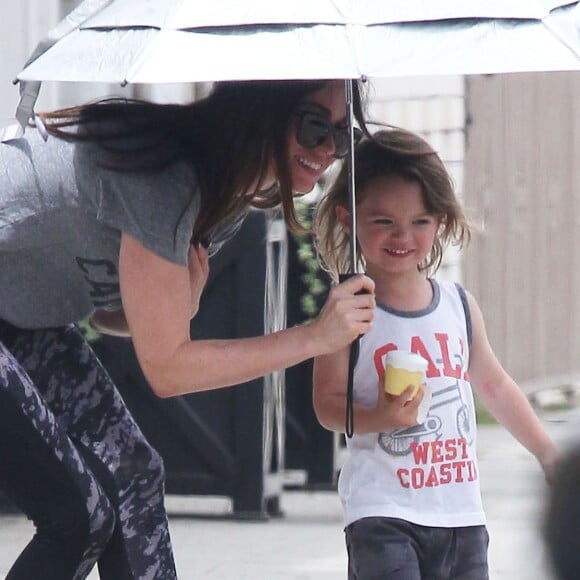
(350, 168)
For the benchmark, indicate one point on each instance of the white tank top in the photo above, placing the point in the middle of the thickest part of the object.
(426, 474)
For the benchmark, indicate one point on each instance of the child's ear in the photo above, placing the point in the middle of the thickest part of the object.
(343, 217)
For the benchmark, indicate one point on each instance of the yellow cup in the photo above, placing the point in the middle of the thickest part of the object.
(403, 368)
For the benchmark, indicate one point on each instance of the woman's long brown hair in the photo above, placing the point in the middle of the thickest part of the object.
(232, 138)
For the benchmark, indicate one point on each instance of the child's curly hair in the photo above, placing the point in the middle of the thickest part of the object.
(391, 152)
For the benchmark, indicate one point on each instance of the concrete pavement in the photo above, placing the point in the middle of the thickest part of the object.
(307, 542)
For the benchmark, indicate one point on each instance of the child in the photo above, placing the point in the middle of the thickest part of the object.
(410, 492)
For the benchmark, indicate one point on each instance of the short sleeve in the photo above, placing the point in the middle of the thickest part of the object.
(157, 209)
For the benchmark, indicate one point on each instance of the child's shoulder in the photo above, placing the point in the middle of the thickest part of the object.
(455, 292)
(451, 287)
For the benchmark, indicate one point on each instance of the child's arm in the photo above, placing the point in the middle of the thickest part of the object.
(502, 396)
(329, 398)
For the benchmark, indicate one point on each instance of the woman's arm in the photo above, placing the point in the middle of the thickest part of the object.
(158, 296)
(329, 398)
(114, 323)
(502, 396)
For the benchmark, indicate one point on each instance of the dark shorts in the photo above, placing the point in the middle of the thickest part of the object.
(392, 549)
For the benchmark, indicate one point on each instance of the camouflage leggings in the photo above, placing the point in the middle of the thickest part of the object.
(74, 460)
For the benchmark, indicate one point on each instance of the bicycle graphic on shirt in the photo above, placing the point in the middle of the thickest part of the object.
(398, 441)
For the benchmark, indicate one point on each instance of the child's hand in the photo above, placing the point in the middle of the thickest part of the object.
(399, 410)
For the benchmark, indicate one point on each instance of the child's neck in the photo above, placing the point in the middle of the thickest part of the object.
(409, 292)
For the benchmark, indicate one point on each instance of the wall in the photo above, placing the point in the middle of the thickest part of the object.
(522, 185)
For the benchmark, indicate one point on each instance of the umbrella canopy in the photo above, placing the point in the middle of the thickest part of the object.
(163, 41)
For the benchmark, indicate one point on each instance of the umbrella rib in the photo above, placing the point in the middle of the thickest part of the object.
(29, 90)
(140, 59)
(552, 30)
(68, 24)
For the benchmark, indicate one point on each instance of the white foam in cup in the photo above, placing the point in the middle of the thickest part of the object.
(404, 368)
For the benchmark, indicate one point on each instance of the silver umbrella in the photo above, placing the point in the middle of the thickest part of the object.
(158, 41)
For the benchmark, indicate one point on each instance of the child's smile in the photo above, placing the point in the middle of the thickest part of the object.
(395, 231)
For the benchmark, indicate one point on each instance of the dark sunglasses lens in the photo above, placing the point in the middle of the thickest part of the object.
(312, 131)
(341, 139)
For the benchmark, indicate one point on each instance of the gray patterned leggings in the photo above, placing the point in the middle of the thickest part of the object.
(74, 461)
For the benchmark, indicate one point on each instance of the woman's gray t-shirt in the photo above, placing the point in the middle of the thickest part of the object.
(61, 217)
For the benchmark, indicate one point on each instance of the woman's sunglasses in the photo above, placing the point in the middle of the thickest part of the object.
(313, 130)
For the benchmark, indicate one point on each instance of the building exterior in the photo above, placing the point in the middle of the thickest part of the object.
(522, 186)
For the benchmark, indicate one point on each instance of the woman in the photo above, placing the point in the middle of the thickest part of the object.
(113, 218)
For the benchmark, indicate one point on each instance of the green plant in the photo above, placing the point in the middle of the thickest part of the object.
(313, 277)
